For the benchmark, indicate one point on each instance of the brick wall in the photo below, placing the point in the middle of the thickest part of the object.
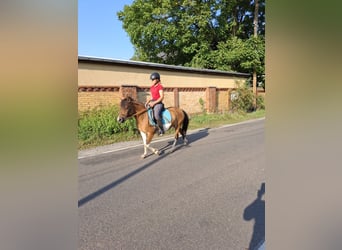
(185, 98)
(189, 100)
(89, 100)
(215, 99)
(223, 97)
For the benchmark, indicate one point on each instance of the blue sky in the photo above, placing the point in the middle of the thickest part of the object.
(100, 33)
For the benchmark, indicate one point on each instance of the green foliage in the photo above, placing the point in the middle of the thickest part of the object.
(201, 102)
(196, 121)
(184, 32)
(241, 55)
(207, 34)
(244, 100)
(260, 102)
(214, 120)
(100, 123)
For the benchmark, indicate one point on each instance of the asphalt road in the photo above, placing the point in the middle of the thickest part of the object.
(202, 196)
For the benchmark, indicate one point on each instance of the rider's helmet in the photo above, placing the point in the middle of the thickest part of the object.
(155, 75)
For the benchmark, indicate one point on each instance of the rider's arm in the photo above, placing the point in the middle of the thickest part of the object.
(148, 99)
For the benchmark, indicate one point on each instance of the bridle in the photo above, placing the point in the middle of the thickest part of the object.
(136, 113)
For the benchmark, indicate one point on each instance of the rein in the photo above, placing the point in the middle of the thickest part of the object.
(137, 113)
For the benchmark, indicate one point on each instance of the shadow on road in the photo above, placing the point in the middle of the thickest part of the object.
(198, 135)
(192, 137)
(256, 211)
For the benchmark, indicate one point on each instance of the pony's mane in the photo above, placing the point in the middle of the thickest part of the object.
(131, 100)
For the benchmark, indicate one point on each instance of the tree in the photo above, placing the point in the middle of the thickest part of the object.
(213, 34)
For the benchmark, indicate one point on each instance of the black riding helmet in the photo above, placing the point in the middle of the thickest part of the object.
(155, 75)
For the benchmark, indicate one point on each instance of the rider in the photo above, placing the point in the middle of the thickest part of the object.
(155, 101)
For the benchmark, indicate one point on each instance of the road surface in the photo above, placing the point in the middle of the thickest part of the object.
(207, 195)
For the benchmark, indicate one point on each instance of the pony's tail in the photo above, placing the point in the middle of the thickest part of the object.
(185, 124)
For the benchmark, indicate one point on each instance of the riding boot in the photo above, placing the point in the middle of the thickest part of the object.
(160, 126)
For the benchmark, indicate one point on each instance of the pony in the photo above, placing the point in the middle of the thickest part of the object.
(132, 108)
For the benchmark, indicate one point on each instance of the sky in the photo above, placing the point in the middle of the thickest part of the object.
(100, 33)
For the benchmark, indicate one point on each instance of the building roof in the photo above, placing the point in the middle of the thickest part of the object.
(158, 66)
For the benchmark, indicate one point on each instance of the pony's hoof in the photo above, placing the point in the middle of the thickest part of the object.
(143, 156)
(157, 152)
(185, 142)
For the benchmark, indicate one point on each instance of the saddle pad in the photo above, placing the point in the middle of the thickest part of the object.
(166, 117)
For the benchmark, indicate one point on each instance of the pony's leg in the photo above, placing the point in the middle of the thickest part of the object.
(147, 139)
(176, 139)
(174, 143)
(143, 136)
(185, 140)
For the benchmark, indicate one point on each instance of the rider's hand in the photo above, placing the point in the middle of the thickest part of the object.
(148, 104)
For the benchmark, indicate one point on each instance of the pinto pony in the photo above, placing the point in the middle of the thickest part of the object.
(131, 108)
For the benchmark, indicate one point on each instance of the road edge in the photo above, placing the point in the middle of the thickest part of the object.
(86, 153)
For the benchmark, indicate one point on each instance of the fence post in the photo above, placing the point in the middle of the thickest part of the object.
(176, 97)
(229, 98)
(211, 99)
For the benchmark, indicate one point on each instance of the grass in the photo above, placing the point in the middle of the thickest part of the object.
(196, 122)
(216, 120)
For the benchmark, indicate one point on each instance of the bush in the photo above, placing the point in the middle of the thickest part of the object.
(100, 123)
(260, 102)
(244, 100)
(202, 103)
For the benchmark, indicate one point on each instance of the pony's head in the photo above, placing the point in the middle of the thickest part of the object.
(126, 109)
